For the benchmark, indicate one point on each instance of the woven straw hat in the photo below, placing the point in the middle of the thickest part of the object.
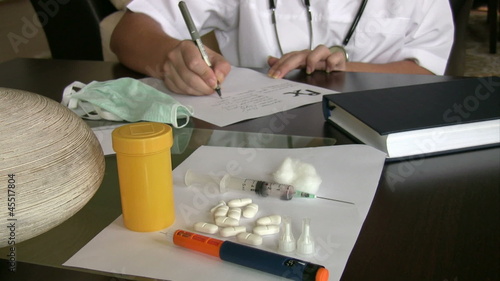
(51, 164)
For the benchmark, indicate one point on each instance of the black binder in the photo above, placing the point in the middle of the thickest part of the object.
(421, 119)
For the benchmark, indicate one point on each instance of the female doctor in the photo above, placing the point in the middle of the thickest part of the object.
(342, 35)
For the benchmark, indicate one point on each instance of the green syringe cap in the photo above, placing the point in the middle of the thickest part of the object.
(302, 194)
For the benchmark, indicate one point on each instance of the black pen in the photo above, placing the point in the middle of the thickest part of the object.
(196, 37)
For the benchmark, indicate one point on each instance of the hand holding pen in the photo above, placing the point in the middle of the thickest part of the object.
(200, 70)
(185, 72)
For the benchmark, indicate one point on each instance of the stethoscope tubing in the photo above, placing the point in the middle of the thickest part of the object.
(307, 4)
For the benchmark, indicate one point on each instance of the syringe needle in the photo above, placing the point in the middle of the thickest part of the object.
(336, 200)
(303, 194)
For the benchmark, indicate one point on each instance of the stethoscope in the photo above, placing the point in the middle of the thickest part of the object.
(307, 4)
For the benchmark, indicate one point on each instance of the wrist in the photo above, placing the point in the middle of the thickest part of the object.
(339, 48)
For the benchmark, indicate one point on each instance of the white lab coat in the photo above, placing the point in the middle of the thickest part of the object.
(389, 30)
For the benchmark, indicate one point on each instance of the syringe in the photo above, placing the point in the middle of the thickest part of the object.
(228, 182)
(259, 187)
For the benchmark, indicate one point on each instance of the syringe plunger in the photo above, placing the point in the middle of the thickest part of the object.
(261, 188)
(228, 182)
(193, 178)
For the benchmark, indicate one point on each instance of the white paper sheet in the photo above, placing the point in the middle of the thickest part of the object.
(247, 94)
(103, 135)
(334, 226)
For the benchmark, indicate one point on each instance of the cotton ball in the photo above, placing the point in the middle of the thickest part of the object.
(305, 169)
(301, 175)
(306, 179)
(285, 173)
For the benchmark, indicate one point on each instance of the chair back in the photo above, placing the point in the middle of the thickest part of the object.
(72, 28)
(456, 62)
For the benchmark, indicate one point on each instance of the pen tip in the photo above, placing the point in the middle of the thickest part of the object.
(218, 92)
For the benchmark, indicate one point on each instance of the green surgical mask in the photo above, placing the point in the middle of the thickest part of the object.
(124, 99)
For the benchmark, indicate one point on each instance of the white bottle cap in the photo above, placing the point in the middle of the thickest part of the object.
(305, 244)
(287, 242)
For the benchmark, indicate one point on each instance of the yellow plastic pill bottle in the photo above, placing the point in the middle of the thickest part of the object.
(145, 175)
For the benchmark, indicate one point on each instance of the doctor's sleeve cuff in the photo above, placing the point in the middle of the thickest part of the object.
(428, 60)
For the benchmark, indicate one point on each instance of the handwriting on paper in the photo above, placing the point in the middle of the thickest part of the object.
(247, 94)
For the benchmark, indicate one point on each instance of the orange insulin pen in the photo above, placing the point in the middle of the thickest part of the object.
(283, 266)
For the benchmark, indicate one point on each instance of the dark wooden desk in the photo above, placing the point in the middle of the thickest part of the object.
(49, 77)
(431, 219)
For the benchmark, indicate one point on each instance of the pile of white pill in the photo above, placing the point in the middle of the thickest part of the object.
(226, 221)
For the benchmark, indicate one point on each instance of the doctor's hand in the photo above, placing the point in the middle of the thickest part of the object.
(318, 59)
(185, 71)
